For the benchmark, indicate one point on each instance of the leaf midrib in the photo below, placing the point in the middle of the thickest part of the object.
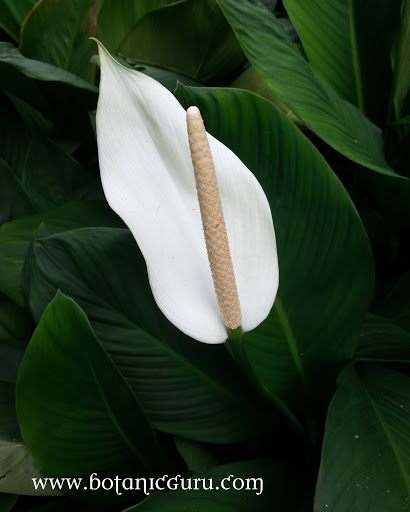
(355, 57)
(113, 419)
(291, 340)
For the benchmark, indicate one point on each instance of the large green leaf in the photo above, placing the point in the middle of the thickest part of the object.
(15, 237)
(325, 262)
(352, 48)
(244, 495)
(12, 15)
(77, 415)
(366, 448)
(301, 88)
(58, 94)
(194, 39)
(57, 32)
(186, 388)
(382, 340)
(17, 466)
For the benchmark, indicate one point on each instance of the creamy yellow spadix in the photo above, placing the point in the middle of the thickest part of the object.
(149, 181)
(213, 221)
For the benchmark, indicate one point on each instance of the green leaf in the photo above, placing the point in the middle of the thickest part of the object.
(277, 492)
(17, 468)
(58, 32)
(12, 15)
(382, 340)
(351, 50)
(76, 413)
(14, 202)
(194, 39)
(58, 94)
(7, 502)
(297, 84)
(187, 388)
(366, 448)
(15, 237)
(116, 19)
(52, 178)
(401, 70)
(322, 247)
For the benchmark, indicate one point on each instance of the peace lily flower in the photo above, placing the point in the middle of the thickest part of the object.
(147, 172)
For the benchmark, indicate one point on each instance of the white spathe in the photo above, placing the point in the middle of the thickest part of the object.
(148, 180)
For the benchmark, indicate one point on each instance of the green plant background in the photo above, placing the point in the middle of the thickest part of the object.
(314, 98)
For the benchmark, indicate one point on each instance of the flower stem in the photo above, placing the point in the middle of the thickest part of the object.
(236, 348)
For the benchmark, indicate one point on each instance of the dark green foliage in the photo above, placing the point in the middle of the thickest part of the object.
(93, 377)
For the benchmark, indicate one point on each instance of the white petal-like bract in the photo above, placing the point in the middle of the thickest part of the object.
(148, 180)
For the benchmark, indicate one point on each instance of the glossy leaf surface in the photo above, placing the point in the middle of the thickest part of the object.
(90, 420)
(58, 32)
(306, 93)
